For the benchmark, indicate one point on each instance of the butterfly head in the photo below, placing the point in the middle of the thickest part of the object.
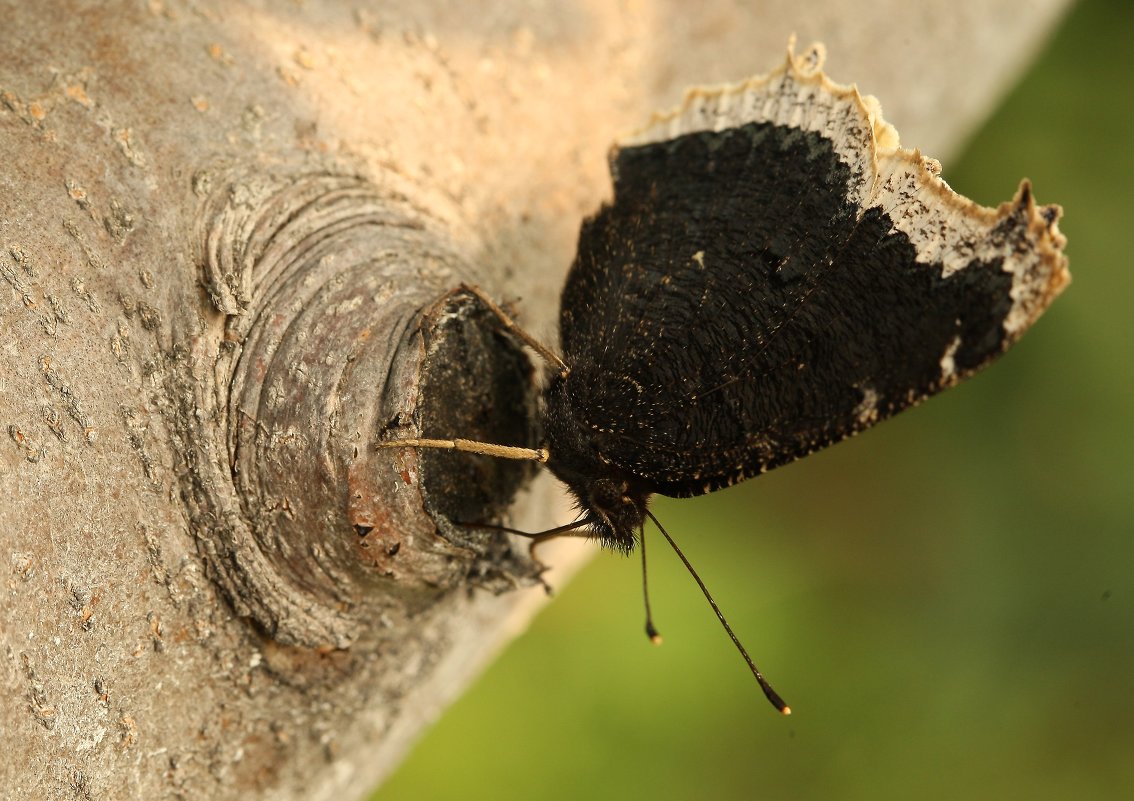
(611, 500)
(615, 511)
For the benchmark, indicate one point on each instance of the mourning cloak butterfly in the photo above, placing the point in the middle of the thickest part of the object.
(774, 274)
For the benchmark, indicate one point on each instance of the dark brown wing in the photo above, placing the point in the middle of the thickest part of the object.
(769, 280)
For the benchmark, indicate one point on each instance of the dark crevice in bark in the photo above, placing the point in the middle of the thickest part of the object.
(332, 324)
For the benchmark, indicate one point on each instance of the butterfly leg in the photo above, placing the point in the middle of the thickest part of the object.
(471, 446)
(512, 327)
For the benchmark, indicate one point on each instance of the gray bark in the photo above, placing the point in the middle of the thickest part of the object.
(227, 232)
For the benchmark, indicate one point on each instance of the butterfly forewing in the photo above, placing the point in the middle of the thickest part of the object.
(754, 293)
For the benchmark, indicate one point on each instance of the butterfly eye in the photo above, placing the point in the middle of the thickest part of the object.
(607, 494)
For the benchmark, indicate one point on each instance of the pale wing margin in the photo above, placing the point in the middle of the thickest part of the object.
(945, 227)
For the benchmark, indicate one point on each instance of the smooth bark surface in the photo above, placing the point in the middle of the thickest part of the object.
(227, 233)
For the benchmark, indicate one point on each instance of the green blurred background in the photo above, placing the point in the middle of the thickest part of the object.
(947, 602)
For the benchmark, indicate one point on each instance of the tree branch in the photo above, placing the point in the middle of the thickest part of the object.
(228, 238)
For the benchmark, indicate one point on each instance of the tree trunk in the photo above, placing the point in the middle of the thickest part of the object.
(227, 235)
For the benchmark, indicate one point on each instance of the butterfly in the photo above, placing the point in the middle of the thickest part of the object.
(773, 274)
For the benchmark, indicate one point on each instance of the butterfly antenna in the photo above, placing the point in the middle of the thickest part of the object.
(769, 693)
(651, 632)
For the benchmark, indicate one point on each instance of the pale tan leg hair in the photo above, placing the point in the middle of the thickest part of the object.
(487, 448)
(471, 446)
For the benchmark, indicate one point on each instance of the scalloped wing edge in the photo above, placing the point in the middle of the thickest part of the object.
(944, 226)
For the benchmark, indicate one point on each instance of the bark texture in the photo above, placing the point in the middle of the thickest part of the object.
(227, 235)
